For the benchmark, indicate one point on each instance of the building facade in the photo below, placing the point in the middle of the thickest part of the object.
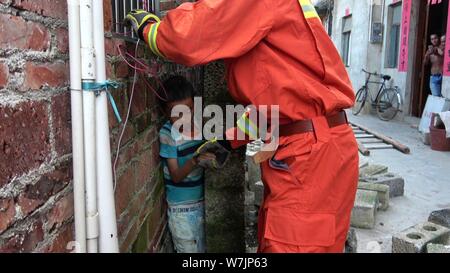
(389, 37)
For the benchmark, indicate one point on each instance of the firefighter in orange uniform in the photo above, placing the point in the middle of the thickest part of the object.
(278, 53)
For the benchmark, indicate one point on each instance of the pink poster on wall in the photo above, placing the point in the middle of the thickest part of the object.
(447, 48)
(406, 18)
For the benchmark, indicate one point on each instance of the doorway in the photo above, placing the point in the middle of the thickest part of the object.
(432, 20)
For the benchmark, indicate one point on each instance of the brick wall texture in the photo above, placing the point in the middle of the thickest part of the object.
(36, 192)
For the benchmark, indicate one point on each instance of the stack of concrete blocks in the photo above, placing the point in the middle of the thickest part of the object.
(441, 218)
(351, 245)
(375, 188)
(432, 236)
(254, 191)
(415, 239)
(253, 169)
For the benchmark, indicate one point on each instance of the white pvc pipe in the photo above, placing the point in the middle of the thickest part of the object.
(88, 76)
(108, 241)
(77, 124)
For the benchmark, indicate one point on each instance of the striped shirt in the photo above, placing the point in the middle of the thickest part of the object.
(173, 146)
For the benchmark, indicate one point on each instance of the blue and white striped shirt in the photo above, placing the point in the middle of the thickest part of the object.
(173, 146)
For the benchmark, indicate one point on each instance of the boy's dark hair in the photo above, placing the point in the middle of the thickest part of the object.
(175, 88)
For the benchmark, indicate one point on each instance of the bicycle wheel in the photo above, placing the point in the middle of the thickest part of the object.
(361, 97)
(388, 104)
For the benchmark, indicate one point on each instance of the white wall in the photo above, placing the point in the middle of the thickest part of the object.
(446, 87)
(359, 37)
(372, 56)
(398, 78)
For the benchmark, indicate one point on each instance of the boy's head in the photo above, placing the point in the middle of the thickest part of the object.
(176, 91)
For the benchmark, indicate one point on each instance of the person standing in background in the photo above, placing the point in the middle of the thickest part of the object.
(435, 57)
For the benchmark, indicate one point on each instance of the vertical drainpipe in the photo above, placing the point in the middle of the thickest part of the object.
(77, 124)
(89, 76)
(108, 241)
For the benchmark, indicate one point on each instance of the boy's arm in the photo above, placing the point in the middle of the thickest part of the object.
(179, 174)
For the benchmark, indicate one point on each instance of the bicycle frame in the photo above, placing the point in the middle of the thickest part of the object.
(366, 85)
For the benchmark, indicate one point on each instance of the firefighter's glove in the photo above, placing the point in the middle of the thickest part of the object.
(220, 152)
(139, 19)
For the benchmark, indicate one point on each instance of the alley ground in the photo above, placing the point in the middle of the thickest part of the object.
(427, 182)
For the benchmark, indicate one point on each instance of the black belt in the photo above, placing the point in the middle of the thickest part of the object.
(305, 126)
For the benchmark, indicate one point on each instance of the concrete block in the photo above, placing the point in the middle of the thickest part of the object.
(436, 248)
(373, 169)
(363, 163)
(249, 198)
(366, 206)
(395, 182)
(253, 173)
(259, 193)
(440, 217)
(251, 250)
(382, 191)
(425, 138)
(415, 239)
(251, 216)
(351, 245)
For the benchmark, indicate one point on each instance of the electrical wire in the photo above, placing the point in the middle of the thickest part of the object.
(144, 69)
(119, 144)
(141, 71)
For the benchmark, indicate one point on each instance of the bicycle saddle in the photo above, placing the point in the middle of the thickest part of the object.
(386, 77)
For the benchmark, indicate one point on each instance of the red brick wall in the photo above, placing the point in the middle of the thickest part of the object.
(36, 194)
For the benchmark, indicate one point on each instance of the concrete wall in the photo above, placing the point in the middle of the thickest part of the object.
(359, 36)
(402, 79)
(225, 228)
(446, 87)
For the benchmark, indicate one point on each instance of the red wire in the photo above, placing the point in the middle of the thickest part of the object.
(144, 69)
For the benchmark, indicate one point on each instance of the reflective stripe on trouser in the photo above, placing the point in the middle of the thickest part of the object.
(187, 227)
(308, 200)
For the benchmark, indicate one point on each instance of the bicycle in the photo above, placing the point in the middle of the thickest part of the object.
(387, 102)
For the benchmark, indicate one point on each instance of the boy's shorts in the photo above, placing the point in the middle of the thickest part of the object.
(187, 226)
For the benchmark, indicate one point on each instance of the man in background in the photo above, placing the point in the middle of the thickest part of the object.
(435, 57)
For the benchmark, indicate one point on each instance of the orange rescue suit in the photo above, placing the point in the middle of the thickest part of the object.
(278, 53)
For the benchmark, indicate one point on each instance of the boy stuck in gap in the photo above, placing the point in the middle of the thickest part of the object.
(183, 175)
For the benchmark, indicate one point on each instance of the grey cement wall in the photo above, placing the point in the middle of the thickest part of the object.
(225, 227)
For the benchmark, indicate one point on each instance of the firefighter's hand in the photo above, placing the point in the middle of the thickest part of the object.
(139, 19)
(204, 157)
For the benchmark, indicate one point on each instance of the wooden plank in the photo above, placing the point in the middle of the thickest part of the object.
(364, 136)
(371, 141)
(379, 147)
(363, 150)
(397, 145)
